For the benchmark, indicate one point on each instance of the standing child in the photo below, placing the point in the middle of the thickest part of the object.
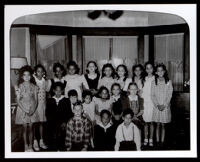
(138, 78)
(27, 100)
(148, 104)
(39, 76)
(108, 75)
(58, 113)
(78, 130)
(127, 135)
(104, 133)
(92, 76)
(102, 102)
(161, 93)
(122, 76)
(74, 80)
(136, 104)
(59, 72)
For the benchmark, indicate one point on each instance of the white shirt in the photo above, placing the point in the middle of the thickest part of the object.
(128, 134)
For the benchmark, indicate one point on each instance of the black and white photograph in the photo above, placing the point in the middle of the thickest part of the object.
(100, 81)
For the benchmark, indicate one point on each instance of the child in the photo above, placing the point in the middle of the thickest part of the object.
(88, 105)
(102, 102)
(107, 78)
(116, 114)
(104, 133)
(74, 80)
(127, 134)
(39, 76)
(27, 99)
(122, 76)
(78, 130)
(118, 98)
(148, 104)
(137, 78)
(136, 104)
(58, 113)
(92, 76)
(161, 93)
(59, 72)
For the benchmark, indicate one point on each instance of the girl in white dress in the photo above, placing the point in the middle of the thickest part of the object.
(138, 78)
(39, 76)
(107, 78)
(74, 80)
(148, 104)
(122, 76)
(102, 102)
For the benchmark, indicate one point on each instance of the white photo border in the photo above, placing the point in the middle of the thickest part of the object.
(186, 11)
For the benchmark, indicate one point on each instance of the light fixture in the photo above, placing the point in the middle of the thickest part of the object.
(17, 62)
(110, 14)
(94, 14)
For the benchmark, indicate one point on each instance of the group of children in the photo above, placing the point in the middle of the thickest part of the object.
(93, 111)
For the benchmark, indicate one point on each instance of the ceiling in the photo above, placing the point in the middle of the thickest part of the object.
(80, 19)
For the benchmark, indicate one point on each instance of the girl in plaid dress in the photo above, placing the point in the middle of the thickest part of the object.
(161, 93)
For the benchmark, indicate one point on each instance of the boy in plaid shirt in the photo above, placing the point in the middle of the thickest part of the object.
(78, 130)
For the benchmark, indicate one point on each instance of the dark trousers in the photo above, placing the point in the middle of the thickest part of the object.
(77, 146)
(56, 137)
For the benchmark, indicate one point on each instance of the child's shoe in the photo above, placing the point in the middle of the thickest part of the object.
(145, 142)
(151, 142)
(42, 145)
(35, 145)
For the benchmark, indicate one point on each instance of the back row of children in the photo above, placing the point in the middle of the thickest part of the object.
(105, 112)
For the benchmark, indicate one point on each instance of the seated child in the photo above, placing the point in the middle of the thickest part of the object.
(58, 113)
(104, 133)
(88, 105)
(78, 130)
(73, 98)
(127, 135)
(135, 103)
(117, 114)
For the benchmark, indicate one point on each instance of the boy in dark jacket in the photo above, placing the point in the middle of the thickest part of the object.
(58, 113)
(104, 133)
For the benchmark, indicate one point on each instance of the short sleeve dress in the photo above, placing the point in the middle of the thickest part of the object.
(75, 82)
(27, 97)
(41, 108)
(161, 95)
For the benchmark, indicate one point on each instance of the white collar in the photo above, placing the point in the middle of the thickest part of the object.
(133, 98)
(105, 127)
(116, 98)
(38, 80)
(58, 99)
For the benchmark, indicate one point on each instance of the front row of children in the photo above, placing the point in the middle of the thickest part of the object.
(76, 127)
